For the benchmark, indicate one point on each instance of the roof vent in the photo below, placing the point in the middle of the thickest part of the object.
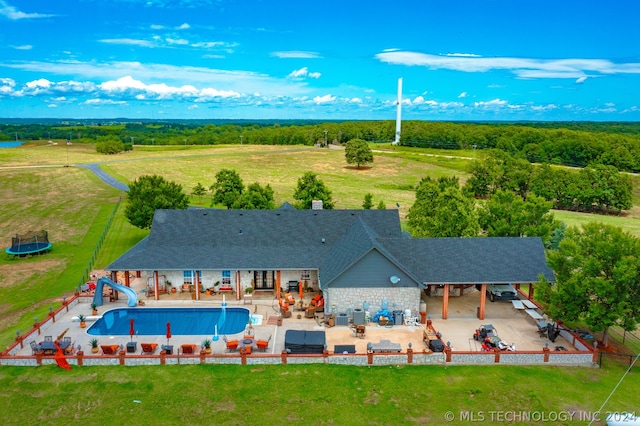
(240, 232)
(316, 205)
(323, 241)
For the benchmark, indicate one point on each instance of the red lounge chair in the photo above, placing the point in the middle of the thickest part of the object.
(188, 349)
(263, 344)
(109, 349)
(148, 348)
(232, 345)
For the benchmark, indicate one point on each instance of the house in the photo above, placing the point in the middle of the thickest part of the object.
(351, 256)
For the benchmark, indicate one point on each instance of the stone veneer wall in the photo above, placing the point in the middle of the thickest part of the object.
(398, 298)
(584, 359)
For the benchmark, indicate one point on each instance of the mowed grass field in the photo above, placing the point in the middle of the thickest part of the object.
(74, 206)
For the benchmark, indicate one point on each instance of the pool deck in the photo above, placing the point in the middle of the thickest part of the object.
(513, 326)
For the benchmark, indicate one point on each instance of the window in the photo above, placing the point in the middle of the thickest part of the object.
(226, 278)
(305, 275)
(188, 277)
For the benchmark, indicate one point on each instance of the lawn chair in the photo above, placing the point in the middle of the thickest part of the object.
(148, 348)
(263, 344)
(232, 345)
(35, 348)
(109, 349)
(188, 349)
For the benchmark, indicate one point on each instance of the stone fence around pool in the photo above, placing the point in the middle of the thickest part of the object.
(448, 357)
(584, 356)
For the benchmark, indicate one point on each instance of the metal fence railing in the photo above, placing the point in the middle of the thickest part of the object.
(96, 250)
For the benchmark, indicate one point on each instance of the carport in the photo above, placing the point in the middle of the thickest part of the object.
(461, 263)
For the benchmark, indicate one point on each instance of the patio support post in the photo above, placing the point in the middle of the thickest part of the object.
(409, 356)
(197, 282)
(497, 355)
(370, 357)
(483, 301)
(121, 354)
(114, 278)
(126, 279)
(278, 285)
(530, 291)
(445, 302)
(238, 289)
(80, 358)
(156, 286)
(283, 357)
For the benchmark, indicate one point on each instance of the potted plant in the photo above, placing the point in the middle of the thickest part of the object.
(206, 345)
(82, 320)
(94, 309)
(170, 287)
(94, 345)
(248, 290)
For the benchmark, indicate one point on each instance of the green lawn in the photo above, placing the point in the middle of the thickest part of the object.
(74, 206)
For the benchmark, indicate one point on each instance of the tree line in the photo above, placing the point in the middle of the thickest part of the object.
(569, 144)
(597, 188)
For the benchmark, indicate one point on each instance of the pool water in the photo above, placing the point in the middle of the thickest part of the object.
(184, 321)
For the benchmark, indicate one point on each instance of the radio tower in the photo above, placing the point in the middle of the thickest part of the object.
(398, 113)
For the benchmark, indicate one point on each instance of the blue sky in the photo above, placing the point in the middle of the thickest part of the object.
(253, 59)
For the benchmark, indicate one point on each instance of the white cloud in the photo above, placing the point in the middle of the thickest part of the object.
(23, 47)
(127, 41)
(303, 73)
(300, 54)
(14, 14)
(98, 101)
(184, 26)
(490, 104)
(179, 41)
(581, 80)
(157, 27)
(464, 55)
(462, 95)
(574, 68)
(192, 107)
(324, 99)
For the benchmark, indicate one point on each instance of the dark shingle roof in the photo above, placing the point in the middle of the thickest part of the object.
(327, 240)
(473, 260)
(247, 239)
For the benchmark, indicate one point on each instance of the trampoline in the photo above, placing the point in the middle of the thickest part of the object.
(29, 244)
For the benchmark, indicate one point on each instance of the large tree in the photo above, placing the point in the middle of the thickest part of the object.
(256, 197)
(311, 188)
(358, 152)
(598, 278)
(149, 193)
(508, 215)
(227, 188)
(442, 210)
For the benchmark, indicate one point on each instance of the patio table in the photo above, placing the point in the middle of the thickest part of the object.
(49, 348)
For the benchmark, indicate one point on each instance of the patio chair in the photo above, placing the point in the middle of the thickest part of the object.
(109, 349)
(263, 344)
(188, 349)
(148, 348)
(232, 345)
(48, 338)
(35, 348)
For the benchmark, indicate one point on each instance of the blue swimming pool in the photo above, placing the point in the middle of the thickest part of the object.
(184, 321)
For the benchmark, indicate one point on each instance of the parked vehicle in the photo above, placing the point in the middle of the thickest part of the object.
(501, 292)
(488, 337)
